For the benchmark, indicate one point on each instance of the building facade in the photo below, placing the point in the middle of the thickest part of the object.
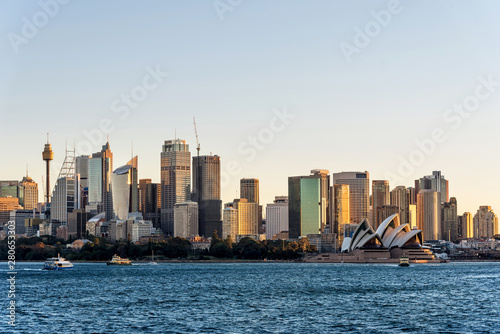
(277, 216)
(359, 193)
(429, 214)
(186, 220)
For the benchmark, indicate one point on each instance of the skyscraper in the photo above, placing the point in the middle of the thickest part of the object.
(175, 180)
(401, 197)
(124, 190)
(359, 193)
(449, 217)
(247, 217)
(186, 219)
(249, 189)
(428, 214)
(153, 204)
(82, 168)
(485, 223)
(277, 216)
(304, 206)
(230, 222)
(436, 182)
(381, 197)
(465, 226)
(340, 210)
(100, 168)
(66, 194)
(143, 184)
(206, 192)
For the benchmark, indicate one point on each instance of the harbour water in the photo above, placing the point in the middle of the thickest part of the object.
(257, 298)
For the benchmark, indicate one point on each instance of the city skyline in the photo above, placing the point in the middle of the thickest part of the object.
(239, 74)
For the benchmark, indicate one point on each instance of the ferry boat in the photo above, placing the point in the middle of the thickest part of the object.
(116, 260)
(404, 261)
(57, 263)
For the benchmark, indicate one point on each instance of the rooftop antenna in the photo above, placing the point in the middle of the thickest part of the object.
(198, 171)
(26, 170)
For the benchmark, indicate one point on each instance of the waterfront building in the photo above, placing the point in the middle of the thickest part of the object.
(428, 214)
(77, 223)
(247, 217)
(175, 180)
(206, 192)
(485, 223)
(380, 198)
(229, 222)
(449, 217)
(277, 216)
(465, 226)
(359, 193)
(304, 206)
(186, 219)
(340, 216)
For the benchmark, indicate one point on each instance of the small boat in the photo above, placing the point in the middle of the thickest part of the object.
(153, 258)
(57, 263)
(404, 261)
(116, 260)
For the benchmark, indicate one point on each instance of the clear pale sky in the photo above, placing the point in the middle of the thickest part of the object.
(232, 74)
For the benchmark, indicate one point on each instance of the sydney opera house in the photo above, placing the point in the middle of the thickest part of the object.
(387, 244)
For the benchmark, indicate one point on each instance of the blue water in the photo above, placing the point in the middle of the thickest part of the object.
(257, 298)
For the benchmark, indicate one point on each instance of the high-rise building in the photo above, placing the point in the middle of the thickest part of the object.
(143, 184)
(340, 216)
(485, 223)
(65, 198)
(11, 188)
(359, 193)
(106, 157)
(401, 197)
(175, 180)
(277, 216)
(95, 183)
(304, 206)
(247, 217)
(380, 198)
(77, 223)
(7, 204)
(465, 226)
(124, 189)
(230, 222)
(322, 175)
(449, 217)
(30, 192)
(385, 211)
(153, 204)
(82, 168)
(428, 214)
(249, 189)
(436, 182)
(206, 192)
(412, 216)
(186, 219)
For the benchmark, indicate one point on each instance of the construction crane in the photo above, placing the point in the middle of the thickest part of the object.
(198, 172)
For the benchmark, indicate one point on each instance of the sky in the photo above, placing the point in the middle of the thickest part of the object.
(278, 88)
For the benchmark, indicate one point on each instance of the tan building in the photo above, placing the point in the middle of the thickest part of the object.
(186, 219)
(485, 223)
(248, 213)
(340, 210)
(30, 196)
(380, 197)
(7, 204)
(401, 197)
(249, 189)
(428, 214)
(449, 217)
(359, 193)
(465, 224)
(229, 223)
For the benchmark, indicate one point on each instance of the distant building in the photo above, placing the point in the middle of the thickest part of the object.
(62, 232)
(82, 168)
(385, 211)
(125, 191)
(249, 190)
(26, 191)
(359, 193)
(7, 204)
(65, 198)
(175, 180)
(20, 216)
(206, 192)
(402, 198)
(449, 217)
(436, 182)
(485, 223)
(77, 223)
(229, 223)
(428, 214)
(465, 226)
(247, 217)
(340, 210)
(381, 197)
(277, 216)
(186, 219)
(130, 229)
(325, 243)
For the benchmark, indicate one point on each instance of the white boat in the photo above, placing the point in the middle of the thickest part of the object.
(57, 263)
(153, 258)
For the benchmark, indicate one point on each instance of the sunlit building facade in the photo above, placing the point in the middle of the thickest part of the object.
(65, 198)
(277, 216)
(359, 193)
(465, 226)
(402, 198)
(380, 197)
(485, 223)
(340, 202)
(429, 214)
(449, 218)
